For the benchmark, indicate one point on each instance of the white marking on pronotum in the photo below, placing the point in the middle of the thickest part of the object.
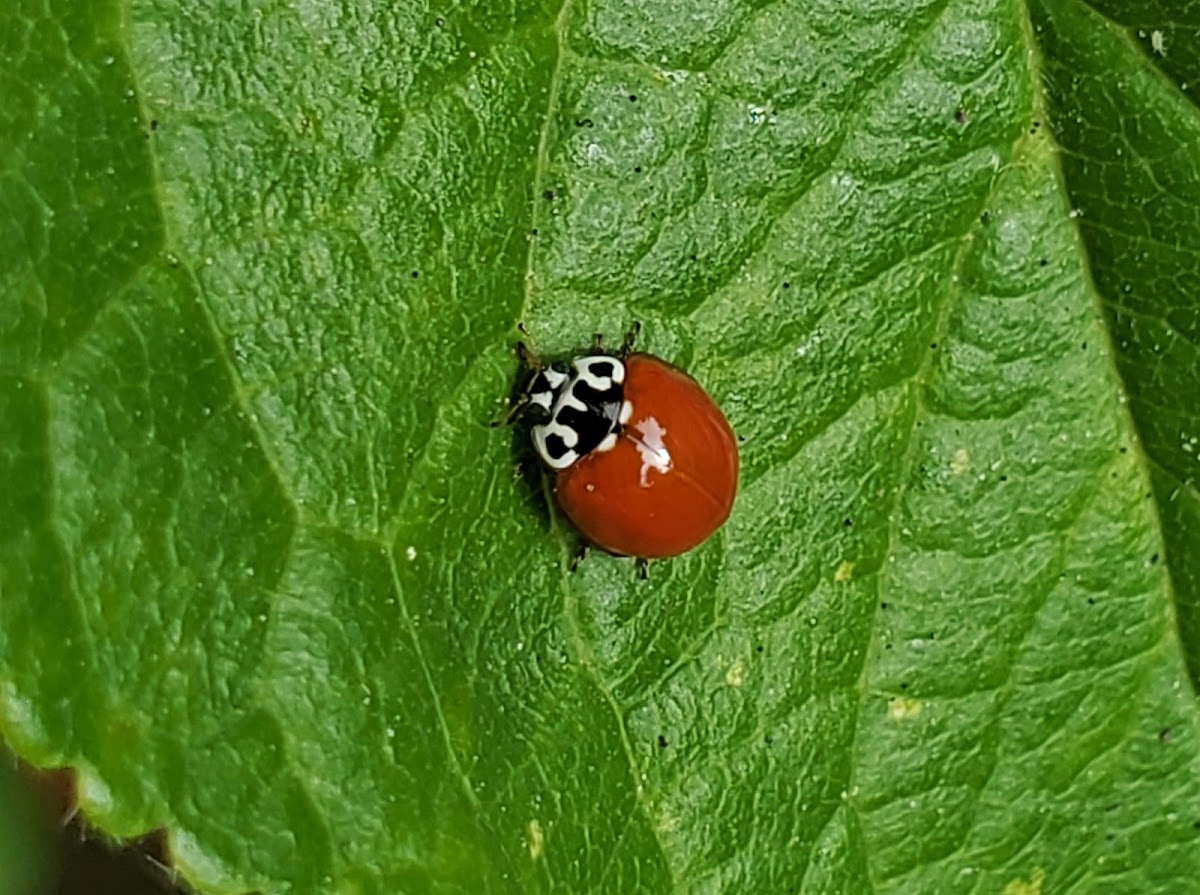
(601, 383)
(545, 397)
(652, 448)
(569, 438)
(561, 395)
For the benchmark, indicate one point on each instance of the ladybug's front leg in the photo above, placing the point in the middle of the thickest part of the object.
(522, 401)
(630, 337)
(527, 357)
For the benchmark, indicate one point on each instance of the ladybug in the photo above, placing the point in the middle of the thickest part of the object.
(644, 462)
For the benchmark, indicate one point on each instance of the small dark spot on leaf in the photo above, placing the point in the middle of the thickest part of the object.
(883, 605)
(903, 686)
(741, 438)
(583, 122)
(153, 124)
(1110, 836)
(787, 285)
(887, 646)
(759, 648)
(1164, 735)
(548, 195)
(416, 274)
(933, 345)
(1084, 346)
(632, 98)
(960, 115)
(662, 741)
(1044, 262)
(1123, 450)
(985, 217)
(1004, 478)
(1091, 601)
(847, 522)
(533, 232)
(439, 22)
(767, 739)
(637, 169)
(693, 257)
(1153, 558)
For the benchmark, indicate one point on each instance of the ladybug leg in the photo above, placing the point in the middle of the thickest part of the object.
(515, 412)
(519, 404)
(643, 567)
(598, 343)
(527, 357)
(579, 555)
(630, 338)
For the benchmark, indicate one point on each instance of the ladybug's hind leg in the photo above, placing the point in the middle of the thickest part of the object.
(580, 552)
(643, 567)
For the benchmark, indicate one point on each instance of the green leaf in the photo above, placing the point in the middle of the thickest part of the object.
(266, 577)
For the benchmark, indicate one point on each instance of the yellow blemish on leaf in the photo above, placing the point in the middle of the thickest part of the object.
(844, 570)
(1021, 887)
(960, 462)
(902, 708)
(734, 676)
(537, 839)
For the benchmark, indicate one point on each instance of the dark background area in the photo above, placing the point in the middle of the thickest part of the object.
(50, 849)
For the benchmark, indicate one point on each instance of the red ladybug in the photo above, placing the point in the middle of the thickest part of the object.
(644, 461)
